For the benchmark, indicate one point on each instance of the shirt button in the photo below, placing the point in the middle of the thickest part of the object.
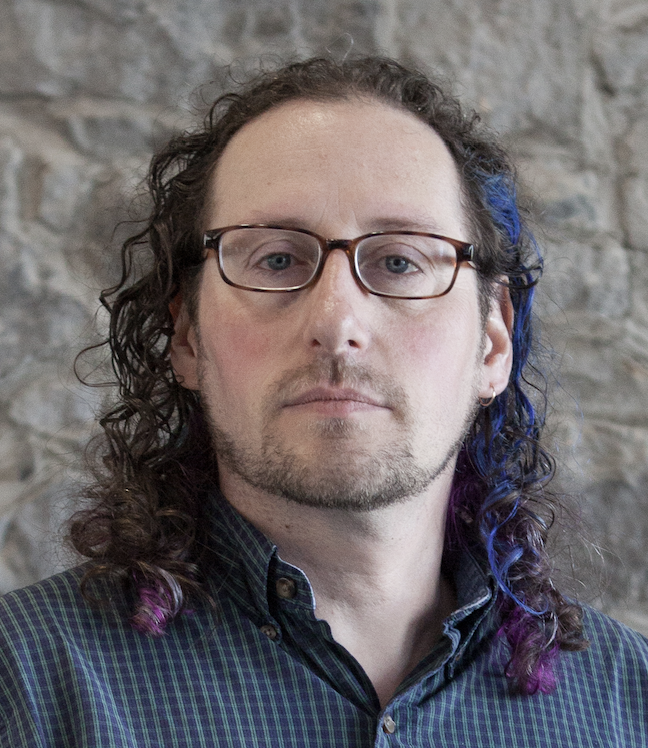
(388, 724)
(286, 588)
(269, 630)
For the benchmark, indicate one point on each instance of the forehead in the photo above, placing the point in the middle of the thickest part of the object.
(353, 160)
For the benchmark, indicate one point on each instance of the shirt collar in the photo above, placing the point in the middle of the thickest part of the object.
(242, 556)
(246, 559)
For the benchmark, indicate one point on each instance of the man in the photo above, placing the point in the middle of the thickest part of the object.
(321, 509)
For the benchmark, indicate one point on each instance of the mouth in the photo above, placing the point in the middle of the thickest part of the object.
(335, 399)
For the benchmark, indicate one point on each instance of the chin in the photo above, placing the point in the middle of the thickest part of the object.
(337, 484)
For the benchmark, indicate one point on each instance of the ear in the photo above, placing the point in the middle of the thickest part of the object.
(184, 345)
(498, 347)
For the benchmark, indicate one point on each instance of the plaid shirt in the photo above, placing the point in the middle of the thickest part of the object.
(270, 674)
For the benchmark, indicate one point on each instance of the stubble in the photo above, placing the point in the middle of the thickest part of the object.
(341, 474)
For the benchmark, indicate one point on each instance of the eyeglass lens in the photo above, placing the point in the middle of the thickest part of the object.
(394, 264)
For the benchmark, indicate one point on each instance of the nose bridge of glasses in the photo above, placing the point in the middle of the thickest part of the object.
(346, 245)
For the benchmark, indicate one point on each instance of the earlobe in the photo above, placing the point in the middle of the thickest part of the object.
(498, 350)
(184, 345)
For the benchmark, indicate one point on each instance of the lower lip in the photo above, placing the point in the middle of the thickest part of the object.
(336, 408)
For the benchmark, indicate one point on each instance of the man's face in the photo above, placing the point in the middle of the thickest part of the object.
(332, 396)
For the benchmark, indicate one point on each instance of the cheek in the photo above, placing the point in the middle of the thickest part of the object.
(237, 355)
(243, 350)
(440, 357)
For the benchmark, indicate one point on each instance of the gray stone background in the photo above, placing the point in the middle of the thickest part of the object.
(87, 87)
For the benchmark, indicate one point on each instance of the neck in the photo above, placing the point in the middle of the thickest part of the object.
(376, 575)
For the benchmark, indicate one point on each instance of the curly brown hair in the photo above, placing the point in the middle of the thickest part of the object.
(154, 463)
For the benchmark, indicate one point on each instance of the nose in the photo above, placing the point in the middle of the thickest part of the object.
(337, 309)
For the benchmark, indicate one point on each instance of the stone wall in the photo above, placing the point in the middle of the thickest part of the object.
(87, 87)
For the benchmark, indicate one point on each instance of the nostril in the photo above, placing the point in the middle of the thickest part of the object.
(329, 340)
(315, 343)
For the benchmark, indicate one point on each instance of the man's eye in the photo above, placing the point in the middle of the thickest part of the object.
(277, 261)
(399, 264)
(274, 256)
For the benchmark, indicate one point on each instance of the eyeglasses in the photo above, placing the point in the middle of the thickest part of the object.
(398, 264)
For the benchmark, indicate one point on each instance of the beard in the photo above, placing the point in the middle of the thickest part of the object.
(340, 474)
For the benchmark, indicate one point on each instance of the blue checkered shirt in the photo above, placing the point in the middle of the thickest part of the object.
(269, 673)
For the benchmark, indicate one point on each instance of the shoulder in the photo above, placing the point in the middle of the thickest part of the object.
(48, 632)
(62, 586)
(615, 646)
(608, 635)
(608, 682)
(599, 700)
(39, 601)
(50, 614)
(52, 602)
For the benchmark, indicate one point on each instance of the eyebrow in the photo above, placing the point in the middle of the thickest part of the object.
(377, 224)
(405, 224)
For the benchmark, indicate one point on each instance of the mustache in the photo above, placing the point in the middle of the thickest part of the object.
(337, 371)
